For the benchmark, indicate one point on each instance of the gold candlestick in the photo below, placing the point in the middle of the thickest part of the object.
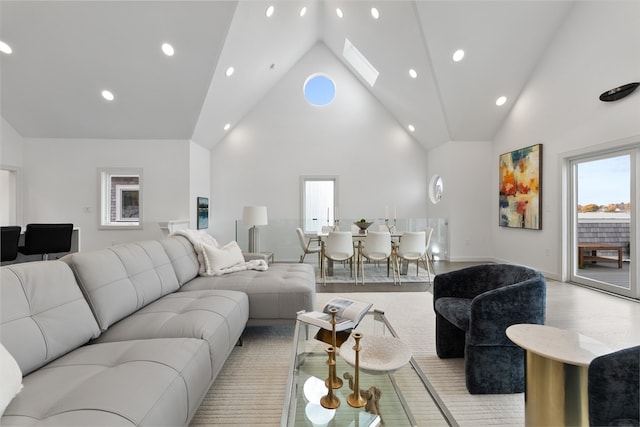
(330, 400)
(355, 399)
(333, 381)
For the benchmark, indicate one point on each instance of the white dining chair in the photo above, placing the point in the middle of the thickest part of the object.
(428, 233)
(338, 247)
(412, 247)
(377, 247)
(309, 246)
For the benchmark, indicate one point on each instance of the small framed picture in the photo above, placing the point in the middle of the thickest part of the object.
(203, 213)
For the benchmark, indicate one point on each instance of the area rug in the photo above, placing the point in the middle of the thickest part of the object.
(250, 389)
(375, 280)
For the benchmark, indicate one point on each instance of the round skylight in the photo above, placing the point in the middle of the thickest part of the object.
(458, 55)
(319, 90)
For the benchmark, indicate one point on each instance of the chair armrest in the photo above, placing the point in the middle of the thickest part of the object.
(493, 311)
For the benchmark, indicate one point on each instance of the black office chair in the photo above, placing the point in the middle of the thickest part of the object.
(45, 239)
(9, 242)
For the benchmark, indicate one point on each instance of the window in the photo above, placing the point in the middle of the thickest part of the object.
(319, 208)
(319, 90)
(120, 198)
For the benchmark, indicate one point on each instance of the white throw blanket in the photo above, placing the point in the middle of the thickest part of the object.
(204, 244)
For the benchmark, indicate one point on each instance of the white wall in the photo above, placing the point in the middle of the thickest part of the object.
(10, 145)
(61, 183)
(465, 169)
(595, 51)
(11, 160)
(261, 160)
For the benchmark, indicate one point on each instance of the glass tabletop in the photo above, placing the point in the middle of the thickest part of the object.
(403, 397)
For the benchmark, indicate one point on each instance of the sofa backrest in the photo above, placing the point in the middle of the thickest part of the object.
(120, 280)
(43, 314)
(183, 257)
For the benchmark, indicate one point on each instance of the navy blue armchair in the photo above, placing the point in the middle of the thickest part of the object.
(474, 306)
(614, 388)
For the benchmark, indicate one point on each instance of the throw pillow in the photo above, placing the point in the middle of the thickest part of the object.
(10, 378)
(219, 258)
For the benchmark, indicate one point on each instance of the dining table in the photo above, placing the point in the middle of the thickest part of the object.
(358, 237)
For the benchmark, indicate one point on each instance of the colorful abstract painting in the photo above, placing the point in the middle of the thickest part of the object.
(520, 188)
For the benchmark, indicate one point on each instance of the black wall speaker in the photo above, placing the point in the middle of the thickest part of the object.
(618, 92)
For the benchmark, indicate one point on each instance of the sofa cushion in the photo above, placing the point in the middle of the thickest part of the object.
(275, 295)
(218, 317)
(133, 383)
(455, 310)
(183, 257)
(42, 313)
(119, 280)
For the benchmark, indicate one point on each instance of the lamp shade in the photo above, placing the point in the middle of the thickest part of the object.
(254, 215)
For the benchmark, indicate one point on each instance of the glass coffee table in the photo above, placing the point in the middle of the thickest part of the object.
(404, 397)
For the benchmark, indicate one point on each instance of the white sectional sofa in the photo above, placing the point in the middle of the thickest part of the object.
(131, 335)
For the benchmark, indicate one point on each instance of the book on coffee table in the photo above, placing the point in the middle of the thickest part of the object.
(350, 313)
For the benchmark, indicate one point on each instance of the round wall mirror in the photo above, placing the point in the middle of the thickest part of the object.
(435, 189)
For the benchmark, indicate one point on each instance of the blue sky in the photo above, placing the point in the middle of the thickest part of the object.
(604, 181)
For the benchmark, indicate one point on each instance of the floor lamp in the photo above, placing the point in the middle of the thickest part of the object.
(252, 216)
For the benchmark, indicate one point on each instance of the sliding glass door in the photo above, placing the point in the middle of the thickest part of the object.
(604, 221)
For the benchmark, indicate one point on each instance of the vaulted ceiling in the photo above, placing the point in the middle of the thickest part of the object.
(64, 53)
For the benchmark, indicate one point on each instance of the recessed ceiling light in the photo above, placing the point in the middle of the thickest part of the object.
(375, 13)
(303, 11)
(227, 126)
(167, 49)
(107, 95)
(270, 11)
(229, 71)
(413, 73)
(411, 128)
(339, 12)
(500, 101)
(5, 48)
(458, 55)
